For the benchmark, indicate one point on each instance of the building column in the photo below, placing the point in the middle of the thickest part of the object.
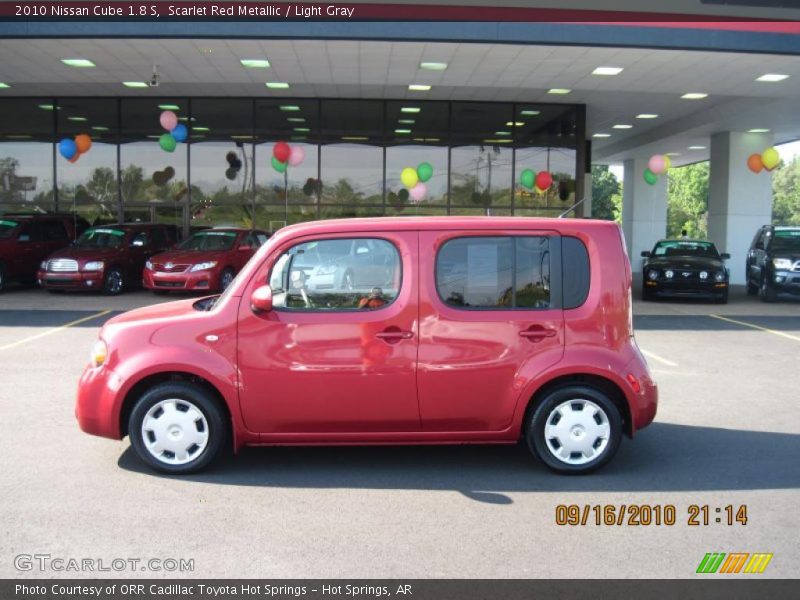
(740, 201)
(585, 209)
(644, 210)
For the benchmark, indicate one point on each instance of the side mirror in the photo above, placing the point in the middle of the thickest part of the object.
(261, 300)
(645, 254)
(24, 237)
(725, 256)
(137, 243)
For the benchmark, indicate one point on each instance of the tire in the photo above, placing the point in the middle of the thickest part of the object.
(583, 426)
(225, 278)
(722, 298)
(194, 433)
(113, 282)
(752, 288)
(767, 292)
(647, 295)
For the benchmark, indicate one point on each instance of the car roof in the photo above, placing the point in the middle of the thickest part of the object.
(686, 240)
(785, 228)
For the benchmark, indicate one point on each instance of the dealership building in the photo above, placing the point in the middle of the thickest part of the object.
(479, 93)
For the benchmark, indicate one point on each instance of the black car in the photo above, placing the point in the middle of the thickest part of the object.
(773, 262)
(685, 269)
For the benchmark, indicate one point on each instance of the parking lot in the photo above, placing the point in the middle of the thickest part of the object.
(727, 433)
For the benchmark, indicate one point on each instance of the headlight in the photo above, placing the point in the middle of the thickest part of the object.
(95, 265)
(148, 265)
(703, 274)
(329, 270)
(204, 266)
(782, 263)
(719, 276)
(43, 265)
(99, 353)
(652, 275)
(668, 274)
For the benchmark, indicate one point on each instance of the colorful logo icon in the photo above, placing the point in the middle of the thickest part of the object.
(734, 562)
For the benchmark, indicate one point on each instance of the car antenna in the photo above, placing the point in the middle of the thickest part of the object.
(573, 207)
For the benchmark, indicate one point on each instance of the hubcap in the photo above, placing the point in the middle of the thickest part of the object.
(175, 432)
(226, 280)
(577, 431)
(114, 281)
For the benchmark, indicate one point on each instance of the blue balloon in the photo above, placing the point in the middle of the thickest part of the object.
(68, 148)
(180, 133)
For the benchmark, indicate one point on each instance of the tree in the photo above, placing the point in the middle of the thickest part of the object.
(687, 200)
(606, 194)
(786, 193)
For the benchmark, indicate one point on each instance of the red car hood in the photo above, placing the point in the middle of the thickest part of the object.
(165, 310)
(85, 254)
(188, 257)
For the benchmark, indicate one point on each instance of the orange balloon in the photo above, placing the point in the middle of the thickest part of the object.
(75, 158)
(83, 142)
(754, 163)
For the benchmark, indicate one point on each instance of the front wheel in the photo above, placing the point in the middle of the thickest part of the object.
(113, 282)
(225, 279)
(575, 430)
(767, 292)
(177, 428)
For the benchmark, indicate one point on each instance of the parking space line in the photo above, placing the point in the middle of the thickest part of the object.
(658, 358)
(751, 325)
(31, 338)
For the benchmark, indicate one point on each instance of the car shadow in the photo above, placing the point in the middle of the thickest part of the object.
(665, 457)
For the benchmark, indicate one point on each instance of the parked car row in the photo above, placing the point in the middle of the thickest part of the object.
(63, 253)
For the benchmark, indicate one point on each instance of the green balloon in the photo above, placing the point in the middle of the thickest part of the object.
(425, 171)
(527, 178)
(167, 142)
(279, 166)
(650, 177)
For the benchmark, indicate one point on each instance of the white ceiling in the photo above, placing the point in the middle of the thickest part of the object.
(652, 80)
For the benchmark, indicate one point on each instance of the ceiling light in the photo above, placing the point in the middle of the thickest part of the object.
(80, 63)
(22, 136)
(79, 119)
(277, 85)
(289, 108)
(502, 133)
(135, 84)
(200, 129)
(622, 126)
(169, 107)
(433, 66)
(418, 87)
(602, 135)
(298, 138)
(402, 131)
(302, 129)
(255, 63)
(758, 130)
(100, 128)
(559, 91)
(4, 86)
(410, 109)
(530, 113)
(697, 147)
(354, 138)
(772, 77)
(514, 124)
(496, 141)
(647, 116)
(47, 106)
(296, 119)
(672, 154)
(607, 71)
(406, 121)
(694, 96)
(241, 137)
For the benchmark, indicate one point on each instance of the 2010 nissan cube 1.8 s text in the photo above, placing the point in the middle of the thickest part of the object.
(387, 331)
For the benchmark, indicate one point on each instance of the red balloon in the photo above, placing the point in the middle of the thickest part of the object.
(544, 180)
(281, 151)
(754, 163)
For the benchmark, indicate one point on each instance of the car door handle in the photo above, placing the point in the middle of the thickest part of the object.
(394, 335)
(537, 334)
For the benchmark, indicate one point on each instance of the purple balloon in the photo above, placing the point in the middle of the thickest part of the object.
(657, 164)
(168, 120)
(296, 156)
(418, 192)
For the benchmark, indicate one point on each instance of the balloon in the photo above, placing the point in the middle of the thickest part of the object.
(403, 195)
(296, 155)
(770, 158)
(526, 178)
(544, 180)
(230, 156)
(418, 192)
(424, 171)
(230, 173)
(754, 163)
(170, 172)
(168, 120)
(656, 164)
(409, 177)
(68, 148)
(75, 158)
(167, 142)
(281, 151)
(160, 178)
(236, 165)
(650, 177)
(279, 166)
(180, 133)
(83, 142)
(667, 163)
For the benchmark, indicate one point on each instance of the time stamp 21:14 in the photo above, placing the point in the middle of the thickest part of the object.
(644, 515)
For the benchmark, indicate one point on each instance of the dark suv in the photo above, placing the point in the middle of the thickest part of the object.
(27, 239)
(773, 262)
(108, 258)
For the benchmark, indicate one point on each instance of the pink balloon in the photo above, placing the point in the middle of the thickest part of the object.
(296, 156)
(168, 120)
(657, 164)
(417, 193)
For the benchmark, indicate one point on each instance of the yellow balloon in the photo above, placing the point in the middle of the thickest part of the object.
(667, 162)
(409, 177)
(770, 158)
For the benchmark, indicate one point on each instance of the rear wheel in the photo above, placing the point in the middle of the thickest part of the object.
(113, 282)
(177, 428)
(575, 430)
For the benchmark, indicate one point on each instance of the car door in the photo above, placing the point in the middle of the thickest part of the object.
(490, 321)
(331, 360)
(31, 250)
(55, 236)
(244, 250)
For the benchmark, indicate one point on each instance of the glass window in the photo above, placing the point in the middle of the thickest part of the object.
(494, 272)
(339, 274)
(54, 231)
(210, 240)
(101, 237)
(31, 232)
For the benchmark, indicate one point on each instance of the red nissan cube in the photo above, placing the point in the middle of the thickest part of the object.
(387, 331)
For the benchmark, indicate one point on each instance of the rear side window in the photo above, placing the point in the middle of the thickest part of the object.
(500, 273)
(54, 231)
(575, 272)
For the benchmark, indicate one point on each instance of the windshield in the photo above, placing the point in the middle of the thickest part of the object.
(209, 240)
(686, 248)
(101, 238)
(6, 227)
(786, 241)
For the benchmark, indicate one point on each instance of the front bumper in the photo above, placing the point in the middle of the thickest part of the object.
(74, 281)
(98, 402)
(199, 280)
(786, 281)
(688, 289)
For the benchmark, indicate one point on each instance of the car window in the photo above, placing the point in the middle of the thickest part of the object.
(101, 237)
(262, 238)
(159, 237)
(7, 227)
(686, 248)
(54, 231)
(31, 232)
(210, 240)
(140, 240)
(328, 275)
(495, 272)
(787, 240)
